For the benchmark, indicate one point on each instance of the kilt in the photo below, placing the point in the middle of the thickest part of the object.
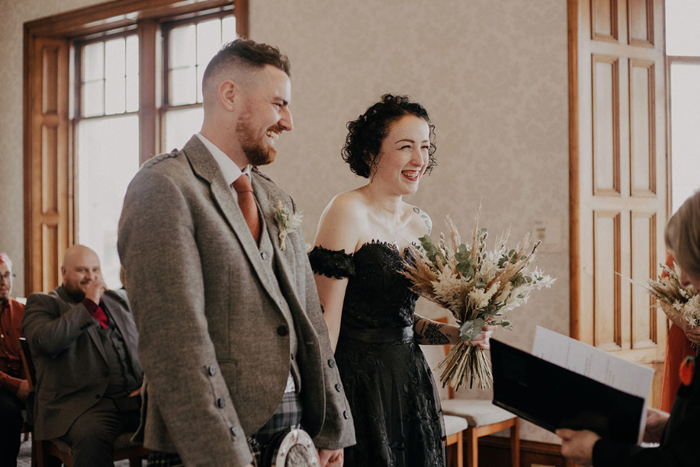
(287, 417)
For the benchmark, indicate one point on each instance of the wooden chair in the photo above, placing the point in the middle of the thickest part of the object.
(124, 448)
(454, 430)
(483, 419)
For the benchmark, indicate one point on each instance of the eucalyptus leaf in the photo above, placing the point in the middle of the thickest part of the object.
(470, 329)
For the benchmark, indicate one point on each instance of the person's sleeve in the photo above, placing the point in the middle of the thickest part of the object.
(158, 250)
(10, 383)
(49, 332)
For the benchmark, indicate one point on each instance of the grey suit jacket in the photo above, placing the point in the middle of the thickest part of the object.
(68, 356)
(212, 343)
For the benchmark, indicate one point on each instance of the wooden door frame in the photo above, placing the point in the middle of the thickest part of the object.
(574, 237)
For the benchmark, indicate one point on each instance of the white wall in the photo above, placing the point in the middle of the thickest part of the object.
(492, 74)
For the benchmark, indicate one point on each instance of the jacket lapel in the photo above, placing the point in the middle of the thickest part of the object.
(205, 166)
(285, 260)
(91, 330)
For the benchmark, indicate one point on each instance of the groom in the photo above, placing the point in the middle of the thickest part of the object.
(231, 336)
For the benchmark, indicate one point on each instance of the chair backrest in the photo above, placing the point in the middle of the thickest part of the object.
(26, 355)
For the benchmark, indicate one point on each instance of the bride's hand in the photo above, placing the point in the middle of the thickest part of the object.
(483, 340)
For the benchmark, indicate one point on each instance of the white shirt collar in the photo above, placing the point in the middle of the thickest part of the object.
(229, 169)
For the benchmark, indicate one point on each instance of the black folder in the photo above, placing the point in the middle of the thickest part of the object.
(554, 397)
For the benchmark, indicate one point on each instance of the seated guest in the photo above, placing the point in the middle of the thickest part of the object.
(83, 341)
(678, 432)
(13, 386)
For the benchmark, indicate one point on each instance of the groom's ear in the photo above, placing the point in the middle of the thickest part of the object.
(229, 93)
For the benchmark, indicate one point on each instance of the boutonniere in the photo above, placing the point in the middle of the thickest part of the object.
(287, 221)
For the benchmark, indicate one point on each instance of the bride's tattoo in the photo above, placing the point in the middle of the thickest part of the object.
(430, 332)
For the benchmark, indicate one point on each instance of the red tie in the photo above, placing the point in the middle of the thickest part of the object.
(246, 201)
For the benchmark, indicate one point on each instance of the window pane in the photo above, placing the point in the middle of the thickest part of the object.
(93, 99)
(682, 31)
(208, 40)
(115, 71)
(182, 45)
(93, 62)
(183, 86)
(115, 95)
(132, 93)
(132, 73)
(107, 151)
(115, 57)
(228, 29)
(685, 137)
(180, 125)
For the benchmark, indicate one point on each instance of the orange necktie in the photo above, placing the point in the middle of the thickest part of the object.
(246, 201)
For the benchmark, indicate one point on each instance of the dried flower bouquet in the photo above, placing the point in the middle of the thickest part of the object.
(674, 299)
(478, 286)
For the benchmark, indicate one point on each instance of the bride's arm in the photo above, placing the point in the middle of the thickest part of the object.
(338, 230)
(427, 331)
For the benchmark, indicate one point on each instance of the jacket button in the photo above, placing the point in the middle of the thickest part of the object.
(283, 330)
(331, 363)
(212, 370)
(338, 387)
(234, 431)
(220, 403)
(346, 415)
(263, 255)
(292, 356)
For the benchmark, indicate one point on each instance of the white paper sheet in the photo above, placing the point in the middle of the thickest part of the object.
(596, 364)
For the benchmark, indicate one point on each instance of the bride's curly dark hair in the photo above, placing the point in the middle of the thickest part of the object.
(365, 135)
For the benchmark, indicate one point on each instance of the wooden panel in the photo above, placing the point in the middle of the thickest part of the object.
(604, 20)
(640, 28)
(50, 257)
(642, 127)
(606, 125)
(49, 89)
(49, 169)
(644, 330)
(495, 451)
(607, 290)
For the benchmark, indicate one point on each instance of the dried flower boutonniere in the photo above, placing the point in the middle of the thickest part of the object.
(287, 221)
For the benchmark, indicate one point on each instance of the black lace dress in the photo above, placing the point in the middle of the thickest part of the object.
(394, 402)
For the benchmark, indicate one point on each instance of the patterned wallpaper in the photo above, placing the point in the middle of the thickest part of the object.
(492, 74)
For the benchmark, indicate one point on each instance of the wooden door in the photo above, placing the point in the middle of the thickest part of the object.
(618, 175)
(47, 169)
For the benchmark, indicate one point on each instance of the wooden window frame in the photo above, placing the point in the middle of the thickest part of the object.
(49, 162)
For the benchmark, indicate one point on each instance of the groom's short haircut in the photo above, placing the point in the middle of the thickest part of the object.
(247, 54)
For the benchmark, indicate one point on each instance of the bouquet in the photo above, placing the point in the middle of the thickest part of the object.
(674, 299)
(478, 286)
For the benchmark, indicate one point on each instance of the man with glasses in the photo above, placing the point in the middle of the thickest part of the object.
(13, 387)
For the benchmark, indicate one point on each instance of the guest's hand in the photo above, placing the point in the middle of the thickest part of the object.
(95, 290)
(578, 445)
(656, 422)
(483, 340)
(22, 390)
(330, 457)
(135, 393)
(693, 334)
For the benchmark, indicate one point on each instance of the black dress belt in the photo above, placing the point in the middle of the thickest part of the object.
(378, 336)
